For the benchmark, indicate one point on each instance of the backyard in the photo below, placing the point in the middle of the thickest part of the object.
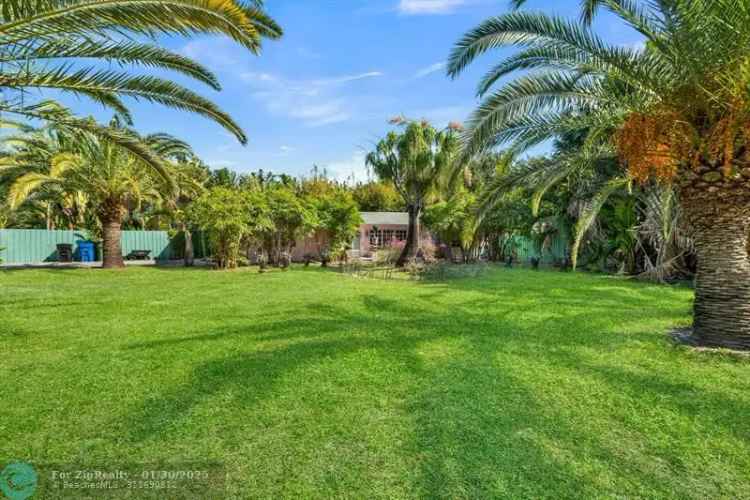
(310, 383)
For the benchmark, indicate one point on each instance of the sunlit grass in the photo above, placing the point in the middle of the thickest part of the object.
(310, 383)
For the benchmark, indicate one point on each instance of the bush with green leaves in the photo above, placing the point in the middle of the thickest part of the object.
(291, 216)
(338, 215)
(378, 196)
(228, 216)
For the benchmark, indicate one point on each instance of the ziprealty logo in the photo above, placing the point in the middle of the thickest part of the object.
(18, 481)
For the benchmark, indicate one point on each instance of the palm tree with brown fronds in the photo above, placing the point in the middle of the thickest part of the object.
(676, 111)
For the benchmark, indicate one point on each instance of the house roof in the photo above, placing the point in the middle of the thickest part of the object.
(385, 218)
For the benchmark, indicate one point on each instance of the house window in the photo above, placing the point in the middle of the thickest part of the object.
(387, 237)
(376, 239)
(382, 238)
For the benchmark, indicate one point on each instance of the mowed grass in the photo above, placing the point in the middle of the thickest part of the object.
(308, 383)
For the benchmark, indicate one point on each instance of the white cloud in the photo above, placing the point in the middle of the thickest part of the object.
(416, 7)
(314, 102)
(221, 163)
(350, 170)
(213, 52)
(432, 68)
(638, 46)
(251, 76)
(347, 78)
(285, 150)
(307, 53)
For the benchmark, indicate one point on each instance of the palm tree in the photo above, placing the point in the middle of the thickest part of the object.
(113, 179)
(676, 110)
(190, 177)
(59, 44)
(415, 161)
(31, 152)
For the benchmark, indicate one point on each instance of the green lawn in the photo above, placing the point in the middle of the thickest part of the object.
(314, 384)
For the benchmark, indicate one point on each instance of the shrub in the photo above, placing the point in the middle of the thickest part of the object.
(228, 215)
(428, 251)
(390, 253)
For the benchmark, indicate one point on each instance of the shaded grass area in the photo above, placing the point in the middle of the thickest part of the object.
(315, 384)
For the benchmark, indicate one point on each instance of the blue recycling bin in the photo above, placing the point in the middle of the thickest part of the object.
(86, 251)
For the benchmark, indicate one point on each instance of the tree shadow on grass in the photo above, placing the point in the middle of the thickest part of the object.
(484, 431)
(481, 429)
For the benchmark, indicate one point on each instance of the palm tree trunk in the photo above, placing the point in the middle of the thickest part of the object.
(112, 244)
(189, 252)
(412, 236)
(722, 286)
(110, 216)
(50, 221)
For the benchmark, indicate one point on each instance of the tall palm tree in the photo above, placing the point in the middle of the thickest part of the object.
(190, 178)
(676, 110)
(60, 44)
(415, 161)
(113, 179)
(31, 153)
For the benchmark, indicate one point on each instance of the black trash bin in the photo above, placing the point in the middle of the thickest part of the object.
(64, 252)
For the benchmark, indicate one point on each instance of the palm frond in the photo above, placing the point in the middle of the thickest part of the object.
(535, 97)
(144, 17)
(22, 188)
(524, 29)
(104, 86)
(122, 52)
(591, 212)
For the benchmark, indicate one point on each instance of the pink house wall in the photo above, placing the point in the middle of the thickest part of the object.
(312, 245)
(365, 249)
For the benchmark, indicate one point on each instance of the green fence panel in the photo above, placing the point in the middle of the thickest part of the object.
(200, 246)
(32, 246)
(27, 246)
(158, 242)
(526, 248)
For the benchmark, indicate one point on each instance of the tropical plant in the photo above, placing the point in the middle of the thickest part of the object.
(56, 44)
(190, 177)
(378, 196)
(667, 249)
(32, 152)
(454, 221)
(338, 218)
(415, 161)
(229, 216)
(113, 180)
(676, 110)
(292, 216)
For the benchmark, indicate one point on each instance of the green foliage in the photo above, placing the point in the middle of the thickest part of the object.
(378, 197)
(453, 220)
(292, 217)
(58, 45)
(418, 161)
(338, 216)
(462, 218)
(622, 223)
(679, 101)
(224, 177)
(83, 179)
(415, 160)
(228, 216)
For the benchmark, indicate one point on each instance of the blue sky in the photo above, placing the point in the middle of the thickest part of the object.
(324, 93)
